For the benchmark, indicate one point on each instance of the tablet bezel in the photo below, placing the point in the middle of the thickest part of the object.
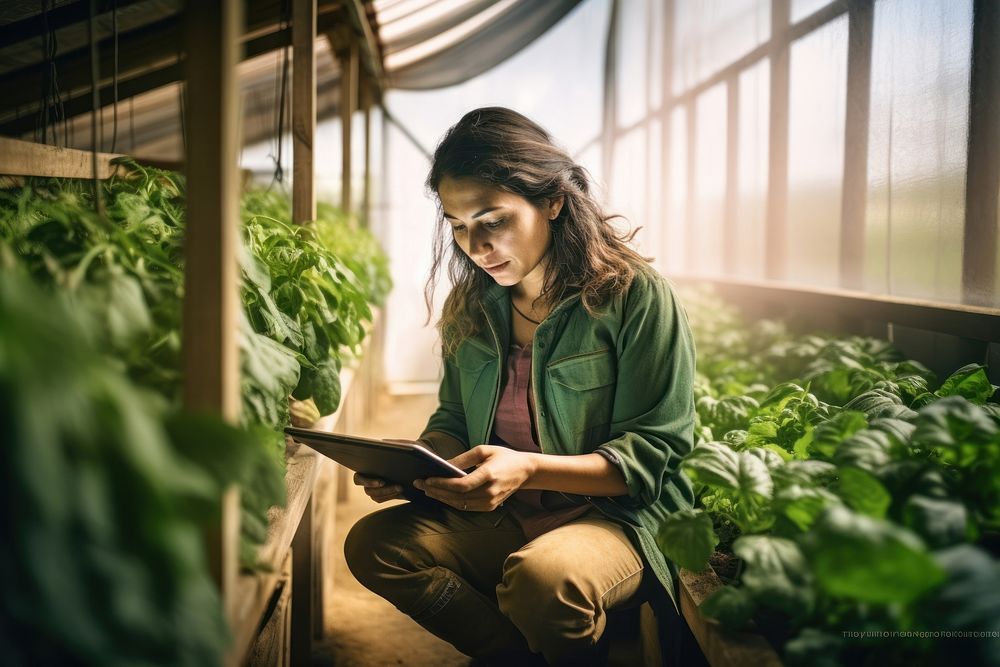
(304, 435)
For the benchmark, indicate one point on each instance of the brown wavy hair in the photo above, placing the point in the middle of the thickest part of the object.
(509, 151)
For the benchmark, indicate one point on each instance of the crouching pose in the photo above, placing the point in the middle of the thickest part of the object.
(568, 369)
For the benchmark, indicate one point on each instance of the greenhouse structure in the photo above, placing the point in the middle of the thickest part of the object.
(246, 422)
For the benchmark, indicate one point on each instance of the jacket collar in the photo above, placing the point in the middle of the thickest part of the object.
(496, 304)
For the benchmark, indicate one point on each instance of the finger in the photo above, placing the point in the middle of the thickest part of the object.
(462, 501)
(471, 458)
(368, 482)
(386, 493)
(470, 482)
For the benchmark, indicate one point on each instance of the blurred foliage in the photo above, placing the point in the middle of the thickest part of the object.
(857, 493)
(122, 276)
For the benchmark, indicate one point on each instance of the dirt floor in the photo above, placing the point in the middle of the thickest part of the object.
(367, 630)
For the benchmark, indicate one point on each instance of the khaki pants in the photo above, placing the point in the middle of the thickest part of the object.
(471, 579)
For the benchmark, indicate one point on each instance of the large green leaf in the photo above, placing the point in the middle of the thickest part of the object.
(941, 522)
(969, 381)
(776, 573)
(863, 492)
(730, 606)
(869, 560)
(687, 538)
(715, 464)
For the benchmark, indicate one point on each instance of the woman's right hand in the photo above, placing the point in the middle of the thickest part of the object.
(378, 489)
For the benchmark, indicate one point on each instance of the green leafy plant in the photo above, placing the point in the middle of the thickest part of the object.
(844, 483)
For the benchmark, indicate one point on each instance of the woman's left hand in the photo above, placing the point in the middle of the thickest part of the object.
(499, 472)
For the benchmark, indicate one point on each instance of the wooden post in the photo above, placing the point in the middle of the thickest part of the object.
(609, 117)
(979, 260)
(303, 110)
(730, 227)
(210, 323)
(367, 89)
(349, 60)
(776, 230)
(667, 106)
(854, 195)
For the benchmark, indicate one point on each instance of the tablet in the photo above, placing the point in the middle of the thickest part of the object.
(400, 463)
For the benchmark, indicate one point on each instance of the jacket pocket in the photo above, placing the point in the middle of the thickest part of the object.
(583, 392)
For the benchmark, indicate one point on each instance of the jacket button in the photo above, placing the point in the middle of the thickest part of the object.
(543, 413)
(541, 344)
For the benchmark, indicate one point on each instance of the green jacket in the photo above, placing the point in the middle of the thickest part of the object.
(621, 383)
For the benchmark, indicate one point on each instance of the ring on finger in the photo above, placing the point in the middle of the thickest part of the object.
(465, 506)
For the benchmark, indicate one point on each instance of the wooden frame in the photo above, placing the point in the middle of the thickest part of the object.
(26, 158)
(974, 322)
(303, 110)
(982, 217)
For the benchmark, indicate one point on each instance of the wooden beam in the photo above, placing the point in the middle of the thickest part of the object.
(974, 322)
(854, 194)
(731, 208)
(210, 357)
(302, 586)
(371, 54)
(348, 103)
(57, 18)
(366, 204)
(979, 261)
(151, 47)
(609, 116)
(776, 231)
(666, 123)
(303, 110)
(25, 158)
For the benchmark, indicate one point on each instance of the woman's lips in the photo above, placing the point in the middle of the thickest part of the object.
(498, 268)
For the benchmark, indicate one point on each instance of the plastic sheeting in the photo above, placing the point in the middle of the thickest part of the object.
(436, 45)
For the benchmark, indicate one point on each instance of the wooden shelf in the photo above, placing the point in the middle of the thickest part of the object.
(253, 591)
(25, 158)
(722, 648)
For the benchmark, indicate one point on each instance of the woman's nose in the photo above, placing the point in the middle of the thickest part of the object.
(479, 243)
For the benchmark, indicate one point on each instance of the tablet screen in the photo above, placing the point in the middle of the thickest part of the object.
(400, 463)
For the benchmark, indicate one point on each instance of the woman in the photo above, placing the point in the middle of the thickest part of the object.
(567, 387)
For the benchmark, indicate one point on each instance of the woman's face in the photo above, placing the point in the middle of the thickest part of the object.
(503, 233)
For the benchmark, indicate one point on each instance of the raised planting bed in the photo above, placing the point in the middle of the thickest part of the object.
(721, 647)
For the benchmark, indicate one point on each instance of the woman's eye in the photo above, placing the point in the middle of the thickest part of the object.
(458, 230)
(494, 225)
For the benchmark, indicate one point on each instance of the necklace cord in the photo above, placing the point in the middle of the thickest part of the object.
(514, 306)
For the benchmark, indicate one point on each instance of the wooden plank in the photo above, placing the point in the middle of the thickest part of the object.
(254, 590)
(366, 104)
(982, 218)
(271, 645)
(609, 115)
(730, 234)
(776, 230)
(26, 158)
(324, 545)
(303, 110)
(348, 59)
(854, 193)
(210, 358)
(371, 53)
(975, 322)
(722, 648)
(284, 521)
(302, 586)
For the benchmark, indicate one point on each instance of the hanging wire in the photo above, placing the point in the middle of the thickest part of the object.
(131, 125)
(94, 104)
(51, 95)
(114, 84)
(182, 101)
(279, 171)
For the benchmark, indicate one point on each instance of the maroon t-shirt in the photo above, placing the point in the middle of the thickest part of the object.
(515, 427)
